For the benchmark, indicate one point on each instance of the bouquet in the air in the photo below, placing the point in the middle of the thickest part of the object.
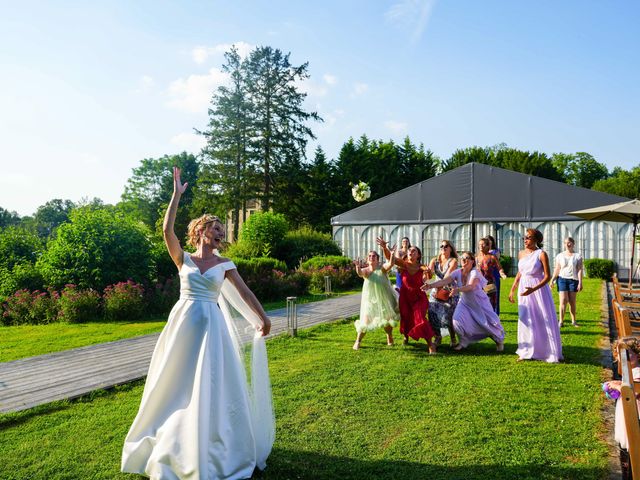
(360, 191)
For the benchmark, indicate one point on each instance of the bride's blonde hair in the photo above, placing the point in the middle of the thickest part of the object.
(197, 226)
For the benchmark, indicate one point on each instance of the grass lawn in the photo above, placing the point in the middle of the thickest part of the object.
(28, 340)
(381, 412)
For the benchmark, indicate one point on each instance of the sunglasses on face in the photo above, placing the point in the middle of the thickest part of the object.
(465, 259)
(528, 237)
(443, 246)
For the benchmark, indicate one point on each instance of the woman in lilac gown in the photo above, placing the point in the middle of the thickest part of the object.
(538, 331)
(473, 318)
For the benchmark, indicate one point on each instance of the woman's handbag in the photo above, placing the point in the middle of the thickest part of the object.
(490, 288)
(443, 295)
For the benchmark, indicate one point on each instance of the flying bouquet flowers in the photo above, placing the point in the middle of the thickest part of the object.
(360, 191)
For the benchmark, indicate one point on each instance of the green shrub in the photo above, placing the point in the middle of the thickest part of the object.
(18, 245)
(507, 262)
(23, 276)
(78, 305)
(123, 301)
(258, 265)
(263, 232)
(340, 269)
(162, 296)
(238, 249)
(98, 247)
(343, 278)
(162, 262)
(304, 243)
(30, 308)
(599, 268)
(316, 263)
(268, 280)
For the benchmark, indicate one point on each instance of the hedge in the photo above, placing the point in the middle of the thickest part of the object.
(599, 268)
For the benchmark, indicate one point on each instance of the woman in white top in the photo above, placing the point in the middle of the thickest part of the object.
(568, 273)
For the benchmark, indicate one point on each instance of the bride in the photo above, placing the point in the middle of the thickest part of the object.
(200, 418)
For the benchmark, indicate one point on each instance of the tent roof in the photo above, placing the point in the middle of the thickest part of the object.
(477, 193)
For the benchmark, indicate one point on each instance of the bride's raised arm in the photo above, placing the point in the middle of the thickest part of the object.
(170, 238)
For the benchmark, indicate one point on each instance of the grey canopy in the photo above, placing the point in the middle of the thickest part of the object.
(477, 193)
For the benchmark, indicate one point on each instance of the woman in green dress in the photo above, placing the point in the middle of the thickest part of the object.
(379, 305)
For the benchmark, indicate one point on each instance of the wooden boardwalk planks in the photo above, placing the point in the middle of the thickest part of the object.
(34, 381)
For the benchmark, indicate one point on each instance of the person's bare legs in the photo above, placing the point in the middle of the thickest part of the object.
(452, 334)
(564, 299)
(572, 307)
(389, 331)
(356, 345)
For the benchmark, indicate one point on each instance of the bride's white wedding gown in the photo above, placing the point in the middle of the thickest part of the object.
(199, 418)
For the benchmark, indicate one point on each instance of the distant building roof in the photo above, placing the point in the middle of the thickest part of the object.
(477, 193)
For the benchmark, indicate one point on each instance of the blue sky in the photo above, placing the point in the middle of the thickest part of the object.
(88, 89)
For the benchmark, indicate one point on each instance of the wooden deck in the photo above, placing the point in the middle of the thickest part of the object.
(34, 381)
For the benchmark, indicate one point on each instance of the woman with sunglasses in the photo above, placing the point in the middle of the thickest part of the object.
(473, 318)
(538, 330)
(413, 301)
(442, 304)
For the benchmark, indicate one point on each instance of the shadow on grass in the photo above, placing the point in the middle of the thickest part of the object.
(573, 354)
(288, 464)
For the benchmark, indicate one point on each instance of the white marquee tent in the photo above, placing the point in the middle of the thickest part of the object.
(475, 200)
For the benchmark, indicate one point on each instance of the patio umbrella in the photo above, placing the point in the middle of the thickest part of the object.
(627, 212)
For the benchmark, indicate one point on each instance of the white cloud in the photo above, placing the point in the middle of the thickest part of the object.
(412, 15)
(396, 127)
(193, 94)
(330, 79)
(359, 89)
(190, 142)
(145, 83)
(201, 53)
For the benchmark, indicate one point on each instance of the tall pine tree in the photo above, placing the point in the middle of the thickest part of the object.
(228, 171)
(279, 121)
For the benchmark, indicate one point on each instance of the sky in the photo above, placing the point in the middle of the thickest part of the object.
(89, 89)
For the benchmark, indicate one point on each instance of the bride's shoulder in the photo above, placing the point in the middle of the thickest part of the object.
(226, 263)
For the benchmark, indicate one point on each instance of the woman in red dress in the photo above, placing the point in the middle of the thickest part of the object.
(413, 301)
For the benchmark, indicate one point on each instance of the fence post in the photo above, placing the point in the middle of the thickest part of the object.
(292, 316)
(327, 285)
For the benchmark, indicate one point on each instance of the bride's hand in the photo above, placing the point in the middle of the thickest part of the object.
(178, 186)
(265, 328)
